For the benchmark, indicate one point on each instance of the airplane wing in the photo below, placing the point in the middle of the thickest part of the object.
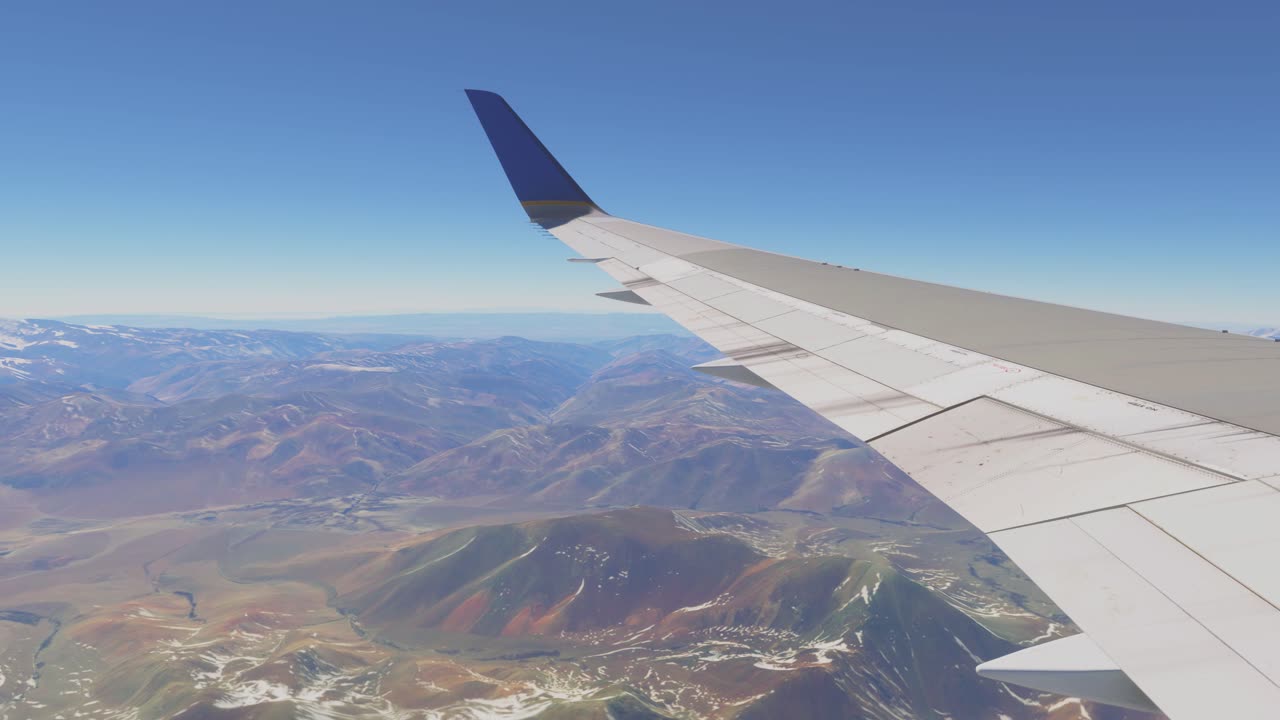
(1130, 467)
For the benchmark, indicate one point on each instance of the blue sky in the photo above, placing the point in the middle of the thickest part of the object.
(318, 158)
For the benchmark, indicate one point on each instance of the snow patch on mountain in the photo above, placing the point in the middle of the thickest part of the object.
(13, 334)
(353, 368)
(13, 366)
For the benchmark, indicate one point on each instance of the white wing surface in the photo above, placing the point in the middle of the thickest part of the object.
(1130, 467)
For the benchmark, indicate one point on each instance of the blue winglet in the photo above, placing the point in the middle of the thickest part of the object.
(535, 175)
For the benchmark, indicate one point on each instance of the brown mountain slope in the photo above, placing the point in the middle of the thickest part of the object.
(645, 429)
(644, 599)
(239, 431)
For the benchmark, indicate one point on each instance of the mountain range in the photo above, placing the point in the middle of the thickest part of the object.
(185, 419)
(561, 326)
(272, 524)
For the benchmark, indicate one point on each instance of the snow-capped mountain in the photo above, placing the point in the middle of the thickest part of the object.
(115, 355)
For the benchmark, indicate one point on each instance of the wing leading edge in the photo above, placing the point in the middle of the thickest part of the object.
(1130, 467)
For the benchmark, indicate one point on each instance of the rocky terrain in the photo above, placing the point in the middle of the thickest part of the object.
(263, 524)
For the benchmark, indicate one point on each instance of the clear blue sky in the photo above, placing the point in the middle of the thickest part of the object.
(304, 157)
